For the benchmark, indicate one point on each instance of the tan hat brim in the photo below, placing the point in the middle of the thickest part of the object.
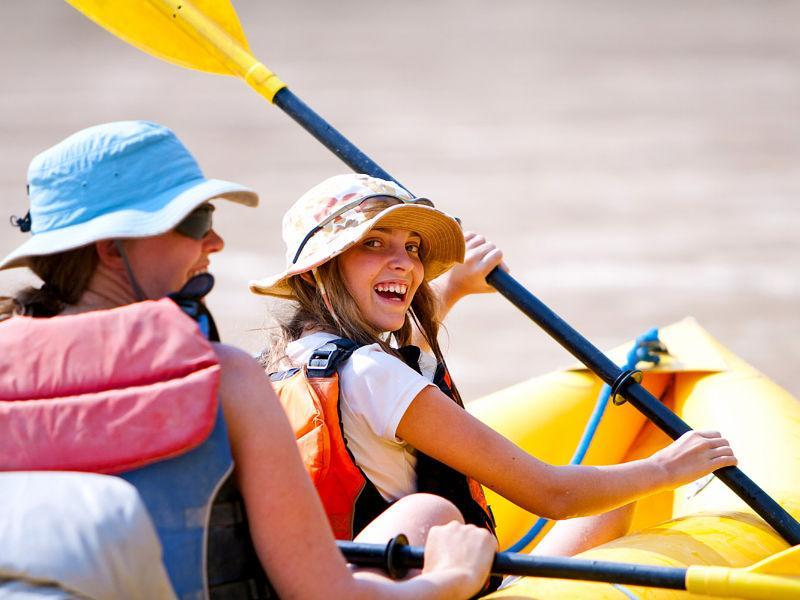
(442, 245)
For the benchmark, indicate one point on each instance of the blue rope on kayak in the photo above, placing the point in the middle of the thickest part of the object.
(644, 350)
(625, 591)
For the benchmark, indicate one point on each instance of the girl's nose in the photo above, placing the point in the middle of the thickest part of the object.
(401, 260)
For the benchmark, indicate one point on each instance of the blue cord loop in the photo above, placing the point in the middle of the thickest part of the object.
(646, 348)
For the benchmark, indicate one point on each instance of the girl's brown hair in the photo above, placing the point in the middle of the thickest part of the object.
(309, 313)
(65, 275)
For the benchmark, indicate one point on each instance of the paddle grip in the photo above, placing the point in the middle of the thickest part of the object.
(639, 397)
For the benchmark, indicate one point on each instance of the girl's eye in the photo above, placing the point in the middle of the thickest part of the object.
(412, 247)
(372, 243)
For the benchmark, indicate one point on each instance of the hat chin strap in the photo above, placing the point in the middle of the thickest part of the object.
(137, 289)
(325, 298)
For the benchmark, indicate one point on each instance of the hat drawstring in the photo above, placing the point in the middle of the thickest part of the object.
(137, 290)
(324, 295)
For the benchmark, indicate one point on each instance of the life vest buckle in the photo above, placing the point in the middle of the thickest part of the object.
(325, 360)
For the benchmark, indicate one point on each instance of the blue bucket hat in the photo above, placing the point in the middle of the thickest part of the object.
(128, 179)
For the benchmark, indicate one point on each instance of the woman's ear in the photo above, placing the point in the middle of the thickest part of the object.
(308, 278)
(109, 254)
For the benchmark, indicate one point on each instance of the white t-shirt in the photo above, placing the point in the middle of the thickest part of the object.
(375, 390)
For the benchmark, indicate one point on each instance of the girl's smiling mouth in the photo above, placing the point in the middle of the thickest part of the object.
(392, 291)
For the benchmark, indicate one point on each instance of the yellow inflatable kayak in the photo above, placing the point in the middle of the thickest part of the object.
(700, 524)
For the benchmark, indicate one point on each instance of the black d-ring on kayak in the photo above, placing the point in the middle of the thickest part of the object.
(621, 383)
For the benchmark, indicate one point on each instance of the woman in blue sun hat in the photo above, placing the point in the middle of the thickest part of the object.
(121, 181)
(120, 381)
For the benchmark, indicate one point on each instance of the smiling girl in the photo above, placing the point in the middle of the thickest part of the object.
(361, 253)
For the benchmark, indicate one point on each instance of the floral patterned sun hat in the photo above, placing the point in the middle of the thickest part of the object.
(336, 214)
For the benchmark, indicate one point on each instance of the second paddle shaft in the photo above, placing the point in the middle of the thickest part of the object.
(768, 580)
(511, 563)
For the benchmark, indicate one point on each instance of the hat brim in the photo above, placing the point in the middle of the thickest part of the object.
(442, 244)
(153, 217)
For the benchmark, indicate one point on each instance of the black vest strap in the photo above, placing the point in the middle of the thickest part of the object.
(232, 566)
(435, 477)
(190, 299)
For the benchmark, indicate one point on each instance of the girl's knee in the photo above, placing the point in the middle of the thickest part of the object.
(435, 509)
(413, 516)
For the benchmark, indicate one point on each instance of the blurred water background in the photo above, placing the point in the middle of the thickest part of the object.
(637, 161)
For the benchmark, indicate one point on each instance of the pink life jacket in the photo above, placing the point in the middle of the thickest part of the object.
(105, 391)
(133, 391)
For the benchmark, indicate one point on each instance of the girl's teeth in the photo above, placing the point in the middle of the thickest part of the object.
(397, 288)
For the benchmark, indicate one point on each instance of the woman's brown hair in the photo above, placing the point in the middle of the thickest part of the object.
(65, 277)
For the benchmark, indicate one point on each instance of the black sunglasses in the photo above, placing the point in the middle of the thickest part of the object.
(197, 223)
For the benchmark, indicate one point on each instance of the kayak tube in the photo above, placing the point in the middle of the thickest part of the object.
(702, 523)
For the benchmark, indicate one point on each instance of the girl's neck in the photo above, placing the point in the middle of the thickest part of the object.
(312, 329)
(106, 289)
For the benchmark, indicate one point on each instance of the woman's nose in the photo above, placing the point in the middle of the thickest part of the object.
(213, 242)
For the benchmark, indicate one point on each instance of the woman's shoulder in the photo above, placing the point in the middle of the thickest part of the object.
(236, 360)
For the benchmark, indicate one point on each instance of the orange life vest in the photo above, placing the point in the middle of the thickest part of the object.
(310, 397)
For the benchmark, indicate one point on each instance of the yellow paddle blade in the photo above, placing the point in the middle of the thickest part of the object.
(142, 24)
(198, 34)
(774, 578)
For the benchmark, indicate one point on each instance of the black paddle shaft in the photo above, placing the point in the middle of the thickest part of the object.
(511, 563)
(328, 136)
(644, 401)
(558, 329)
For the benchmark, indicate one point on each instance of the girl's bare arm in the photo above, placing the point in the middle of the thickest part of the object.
(437, 426)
